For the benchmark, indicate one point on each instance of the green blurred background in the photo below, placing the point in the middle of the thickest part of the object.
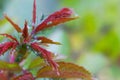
(92, 41)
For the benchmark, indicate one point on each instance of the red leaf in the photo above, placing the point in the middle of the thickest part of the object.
(9, 36)
(25, 31)
(18, 29)
(46, 40)
(26, 76)
(34, 12)
(6, 46)
(56, 18)
(46, 55)
(67, 70)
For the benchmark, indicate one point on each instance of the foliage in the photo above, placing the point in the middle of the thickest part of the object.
(65, 69)
(19, 49)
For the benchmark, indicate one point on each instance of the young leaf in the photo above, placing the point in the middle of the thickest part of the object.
(67, 70)
(6, 46)
(9, 66)
(46, 40)
(46, 55)
(18, 29)
(25, 31)
(34, 12)
(26, 76)
(56, 18)
(9, 36)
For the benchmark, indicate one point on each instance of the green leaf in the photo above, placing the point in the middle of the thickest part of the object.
(37, 62)
(9, 66)
(67, 70)
(2, 22)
